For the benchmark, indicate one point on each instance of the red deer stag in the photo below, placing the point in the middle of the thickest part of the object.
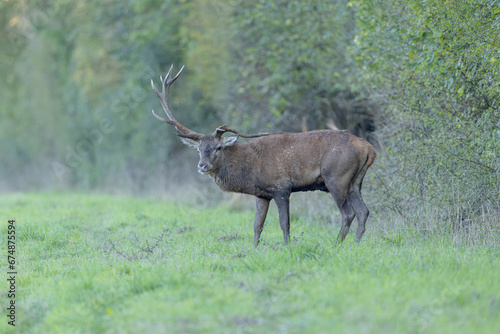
(272, 166)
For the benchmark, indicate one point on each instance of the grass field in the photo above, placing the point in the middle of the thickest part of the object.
(107, 264)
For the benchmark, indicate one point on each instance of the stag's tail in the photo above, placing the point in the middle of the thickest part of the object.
(371, 156)
(357, 180)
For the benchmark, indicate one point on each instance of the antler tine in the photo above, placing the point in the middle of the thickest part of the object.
(222, 129)
(177, 75)
(164, 120)
(166, 82)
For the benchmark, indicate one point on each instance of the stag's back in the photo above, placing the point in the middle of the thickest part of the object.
(302, 161)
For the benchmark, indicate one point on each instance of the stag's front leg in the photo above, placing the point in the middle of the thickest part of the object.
(283, 204)
(262, 205)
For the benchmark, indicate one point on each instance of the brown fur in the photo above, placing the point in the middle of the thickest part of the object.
(274, 166)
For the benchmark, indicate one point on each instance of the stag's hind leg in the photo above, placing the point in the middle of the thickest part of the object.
(358, 204)
(347, 217)
(346, 210)
(361, 210)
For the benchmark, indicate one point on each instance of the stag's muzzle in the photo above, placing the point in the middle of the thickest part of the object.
(204, 168)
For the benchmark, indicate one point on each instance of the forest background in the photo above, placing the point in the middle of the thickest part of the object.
(419, 79)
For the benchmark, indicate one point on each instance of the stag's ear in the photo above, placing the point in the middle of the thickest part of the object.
(193, 143)
(229, 141)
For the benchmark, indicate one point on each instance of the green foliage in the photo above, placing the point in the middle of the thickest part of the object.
(436, 64)
(84, 69)
(457, 42)
(295, 62)
(116, 264)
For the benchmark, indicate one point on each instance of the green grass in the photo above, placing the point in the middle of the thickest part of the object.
(104, 264)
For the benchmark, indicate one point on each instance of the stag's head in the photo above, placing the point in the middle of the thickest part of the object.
(210, 147)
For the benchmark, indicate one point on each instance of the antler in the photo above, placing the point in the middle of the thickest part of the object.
(223, 129)
(163, 96)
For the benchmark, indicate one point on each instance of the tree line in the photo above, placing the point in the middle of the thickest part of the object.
(419, 79)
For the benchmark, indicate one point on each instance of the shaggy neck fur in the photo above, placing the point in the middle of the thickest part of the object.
(232, 175)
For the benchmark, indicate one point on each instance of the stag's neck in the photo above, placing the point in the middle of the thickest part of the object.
(235, 173)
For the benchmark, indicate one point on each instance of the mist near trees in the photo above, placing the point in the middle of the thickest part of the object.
(419, 79)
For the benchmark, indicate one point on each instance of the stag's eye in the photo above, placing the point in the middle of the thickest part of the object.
(218, 148)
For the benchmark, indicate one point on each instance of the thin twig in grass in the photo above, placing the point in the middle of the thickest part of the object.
(148, 249)
(388, 192)
(228, 237)
(113, 247)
